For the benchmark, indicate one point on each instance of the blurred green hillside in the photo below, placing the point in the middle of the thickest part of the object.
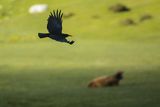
(16, 21)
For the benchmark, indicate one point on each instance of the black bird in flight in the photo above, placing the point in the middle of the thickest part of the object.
(54, 27)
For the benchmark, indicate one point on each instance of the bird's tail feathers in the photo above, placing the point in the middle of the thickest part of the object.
(43, 35)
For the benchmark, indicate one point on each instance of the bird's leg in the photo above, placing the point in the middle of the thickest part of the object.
(70, 42)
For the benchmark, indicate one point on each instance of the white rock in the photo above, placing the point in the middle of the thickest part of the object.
(38, 8)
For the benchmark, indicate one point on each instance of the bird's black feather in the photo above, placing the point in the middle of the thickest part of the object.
(54, 25)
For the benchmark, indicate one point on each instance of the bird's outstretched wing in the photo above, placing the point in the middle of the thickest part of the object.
(54, 25)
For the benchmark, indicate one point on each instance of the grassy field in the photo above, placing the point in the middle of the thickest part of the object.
(40, 75)
(45, 73)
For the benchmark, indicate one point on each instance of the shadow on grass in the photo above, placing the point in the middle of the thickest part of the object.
(66, 88)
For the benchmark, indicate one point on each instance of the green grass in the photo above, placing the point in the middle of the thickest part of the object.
(54, 74)
(44, 73)
(39, 88)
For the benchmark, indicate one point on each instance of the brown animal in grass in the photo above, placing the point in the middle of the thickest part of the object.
(106, 81)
